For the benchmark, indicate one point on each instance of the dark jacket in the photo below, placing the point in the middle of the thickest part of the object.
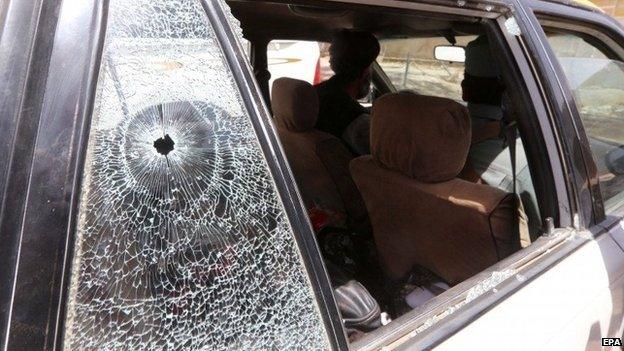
(337, 109)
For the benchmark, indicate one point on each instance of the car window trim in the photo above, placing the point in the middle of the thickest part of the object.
(59, 99)
(22, 75)
(603, 35)
(556, 203)
(479, 8)
(605, 42)
(97, 33)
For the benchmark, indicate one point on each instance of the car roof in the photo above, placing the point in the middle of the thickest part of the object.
(264, 20)
(284, 20)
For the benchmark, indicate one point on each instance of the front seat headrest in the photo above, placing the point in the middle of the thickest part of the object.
(423, 137)
(295, 104)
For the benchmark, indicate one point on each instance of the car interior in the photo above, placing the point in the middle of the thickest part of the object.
(415, 217)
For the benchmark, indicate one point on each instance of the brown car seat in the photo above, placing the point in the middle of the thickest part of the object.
(421, 213)
(319, 161)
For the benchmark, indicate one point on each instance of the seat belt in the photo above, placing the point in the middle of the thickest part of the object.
(510, 130)
(511, 135)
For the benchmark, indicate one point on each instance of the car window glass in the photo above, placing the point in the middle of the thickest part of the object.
(182, 241)
(597, 82)
(411, 65)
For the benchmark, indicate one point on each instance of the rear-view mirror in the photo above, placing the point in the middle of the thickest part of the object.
(450, 53)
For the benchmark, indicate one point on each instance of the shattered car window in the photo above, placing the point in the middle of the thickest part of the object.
(182, 241)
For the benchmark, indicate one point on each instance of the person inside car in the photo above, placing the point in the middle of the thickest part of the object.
(489, 157)
(352, 54)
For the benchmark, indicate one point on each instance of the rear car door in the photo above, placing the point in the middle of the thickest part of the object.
(580, 300)
(146, 204)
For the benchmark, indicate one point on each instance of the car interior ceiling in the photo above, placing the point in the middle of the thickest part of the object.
(359, 255)
(312, 23)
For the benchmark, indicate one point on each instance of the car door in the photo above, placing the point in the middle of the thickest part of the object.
(84, 268)
(580, 300)
(146, 203)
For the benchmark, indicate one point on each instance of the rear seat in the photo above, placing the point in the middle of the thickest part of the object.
(319, 161)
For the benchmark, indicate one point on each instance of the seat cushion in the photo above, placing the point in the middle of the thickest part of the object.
(453, 228)
(319, 161)
(315, 184)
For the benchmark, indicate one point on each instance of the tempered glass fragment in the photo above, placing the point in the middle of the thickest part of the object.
(512, 27)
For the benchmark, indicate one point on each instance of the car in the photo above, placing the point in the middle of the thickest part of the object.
(166, 185)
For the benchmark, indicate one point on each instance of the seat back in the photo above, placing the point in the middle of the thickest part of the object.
(319, 161)
(421, 213)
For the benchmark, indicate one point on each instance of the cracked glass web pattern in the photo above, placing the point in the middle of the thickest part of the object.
(182, 241)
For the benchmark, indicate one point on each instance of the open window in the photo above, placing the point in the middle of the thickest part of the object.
(299, 59)
(354, 204)
(309, 61)
(412, 64)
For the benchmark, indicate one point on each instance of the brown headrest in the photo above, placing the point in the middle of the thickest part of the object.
(425, 138)
(295, 104)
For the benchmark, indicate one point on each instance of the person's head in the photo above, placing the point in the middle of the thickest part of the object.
(482, 79)
(351, 55)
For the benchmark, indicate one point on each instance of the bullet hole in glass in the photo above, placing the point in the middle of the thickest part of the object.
(164, 145)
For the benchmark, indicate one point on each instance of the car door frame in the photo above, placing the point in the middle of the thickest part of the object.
(603, 231)
(41, 182)
(605, 25)
(582, 16)
(18, 69)
(61, 94)
(592, 219)
(611, 221)
(548, 250)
